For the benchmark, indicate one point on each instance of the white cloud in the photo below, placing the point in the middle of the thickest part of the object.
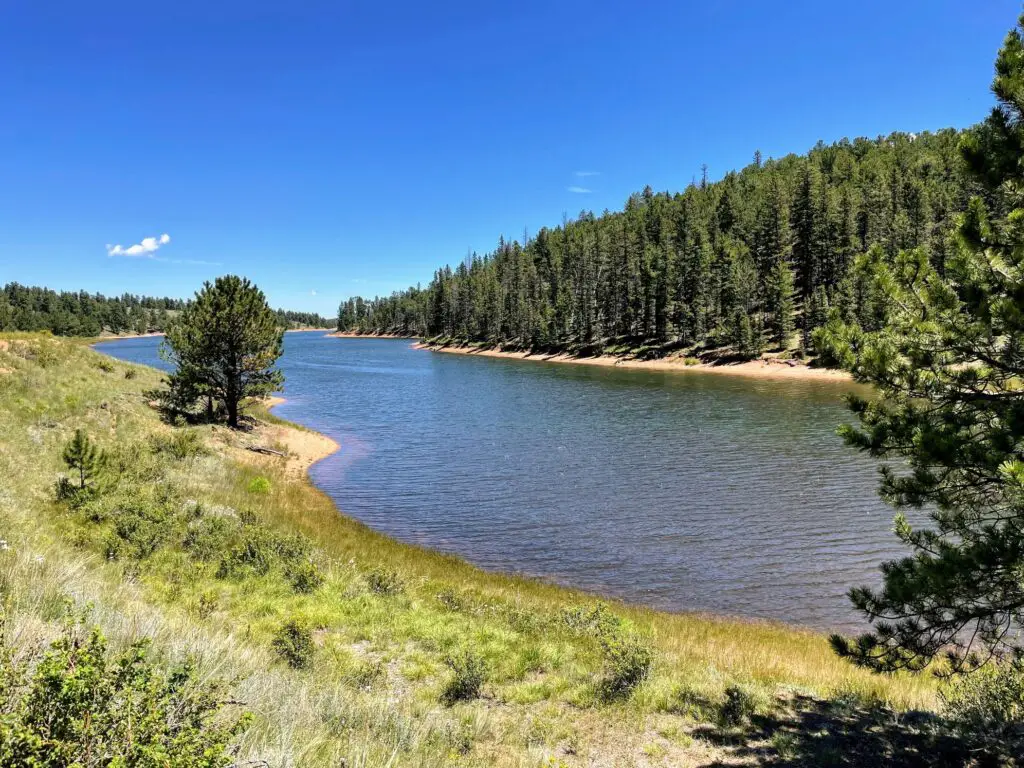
(585, 174)
(148, 246)
(313, 292)
(579, 190)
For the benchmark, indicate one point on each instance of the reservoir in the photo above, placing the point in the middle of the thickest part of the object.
(683, 491)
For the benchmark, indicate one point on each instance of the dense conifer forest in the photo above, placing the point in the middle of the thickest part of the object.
(79, 313)
(754, 261)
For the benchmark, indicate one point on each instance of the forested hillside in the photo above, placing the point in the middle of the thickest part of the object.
(79, 313)
(742, 263)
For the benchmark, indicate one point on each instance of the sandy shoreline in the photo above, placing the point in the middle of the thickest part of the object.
(122, 336)
(304, 447)
(760, 369)
(351, 335)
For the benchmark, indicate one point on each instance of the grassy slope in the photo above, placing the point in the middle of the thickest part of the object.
(372, 694)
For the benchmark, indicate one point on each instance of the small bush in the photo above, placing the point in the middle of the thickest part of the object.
(207, 604)
(64, 489)
(987, 707)
(596, 621)
(43, 353)
(785, 744)
(469, 672)
(450, 599)
(75, 698)
(259, 485)
(258, 549)
(737, 708)
(384, 582)
(131, 373)
(304, 576)
(365, 675)
(140, 529)
(181, 444)
(105, 365)
(293, 642)
(208, 537)
(627, 661)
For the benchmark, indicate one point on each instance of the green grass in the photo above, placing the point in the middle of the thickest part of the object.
(395, 628)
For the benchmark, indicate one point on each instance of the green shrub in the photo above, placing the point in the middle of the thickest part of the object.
(64, 489)
(469, 672)
(987, 707)
(131, 373)
(74, 698)
(596, 621)
(181, 444)
(209, 536)
(259, 485)
(627, 661)
(383, 581)
(450, 599)
(786, 745)
(304, 576)
(257, 549)
(293, 642)
(105, 365)
(365, 675)
(140, 529)
(737, 708)
(43, 353)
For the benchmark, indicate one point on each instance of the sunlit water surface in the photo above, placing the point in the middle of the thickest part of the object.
(679, 490)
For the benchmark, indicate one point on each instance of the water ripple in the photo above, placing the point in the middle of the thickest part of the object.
(684, 491)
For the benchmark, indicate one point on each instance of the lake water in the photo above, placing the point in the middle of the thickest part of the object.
(680, 490)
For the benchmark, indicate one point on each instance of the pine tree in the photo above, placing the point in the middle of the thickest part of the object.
(780, 304)
(224, 346)
(948, 369)
(83, 457)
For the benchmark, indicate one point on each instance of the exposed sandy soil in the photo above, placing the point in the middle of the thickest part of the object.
(303, 447)
(350, 335)
(116, 336)
(767, 368)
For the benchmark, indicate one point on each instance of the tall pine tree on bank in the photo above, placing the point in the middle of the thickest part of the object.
(949, 370)
(224, 346)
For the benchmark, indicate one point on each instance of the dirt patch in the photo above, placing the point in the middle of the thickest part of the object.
(299, 449)
(767, 368)
(350, 335)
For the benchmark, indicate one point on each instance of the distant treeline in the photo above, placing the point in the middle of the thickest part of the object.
(290, 319)
(78, 313)
(744, 262)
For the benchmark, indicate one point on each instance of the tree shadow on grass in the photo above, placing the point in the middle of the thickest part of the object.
(833, 733)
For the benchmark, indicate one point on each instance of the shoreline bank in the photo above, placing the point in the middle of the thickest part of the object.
(122, 337)
(351, 335)
(767, 368)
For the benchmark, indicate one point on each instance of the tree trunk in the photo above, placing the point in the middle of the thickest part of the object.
(232, 407)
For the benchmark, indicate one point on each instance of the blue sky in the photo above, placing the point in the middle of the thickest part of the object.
(333, 148)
